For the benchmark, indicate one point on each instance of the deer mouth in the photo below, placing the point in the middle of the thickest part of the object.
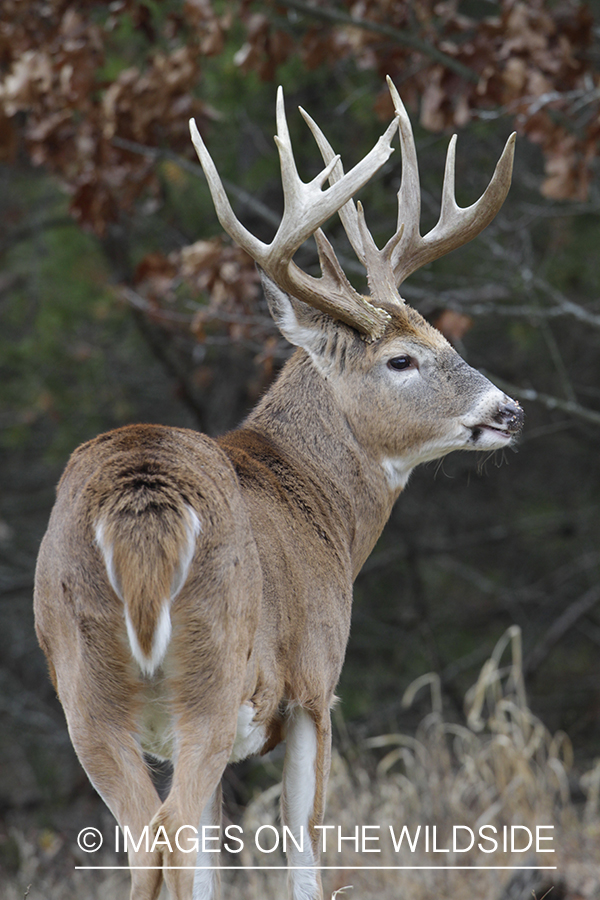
(505, 433)
(503, 425)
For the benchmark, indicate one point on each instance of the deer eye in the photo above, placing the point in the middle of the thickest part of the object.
(400, 362)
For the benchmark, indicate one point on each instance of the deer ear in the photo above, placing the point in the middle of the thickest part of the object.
(299, 323)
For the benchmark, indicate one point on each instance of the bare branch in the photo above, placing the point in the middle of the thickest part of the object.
(567, 619)
(258, 208)
(569, 406)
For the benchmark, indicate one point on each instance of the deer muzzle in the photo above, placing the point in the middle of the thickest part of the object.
(498, 425)
(510, 417)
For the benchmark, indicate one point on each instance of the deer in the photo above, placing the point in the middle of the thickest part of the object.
(193, 594)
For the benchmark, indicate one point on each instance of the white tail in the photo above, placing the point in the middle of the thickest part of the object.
(146, 570)
(193, 596)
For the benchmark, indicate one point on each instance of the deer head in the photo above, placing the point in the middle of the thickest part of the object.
(384, 362)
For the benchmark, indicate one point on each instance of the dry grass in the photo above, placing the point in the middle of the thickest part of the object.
(501, 767)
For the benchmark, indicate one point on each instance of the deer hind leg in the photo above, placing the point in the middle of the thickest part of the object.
(214, 619)
(305, 774)
(206, 876)
(193, 808)
(115, 765)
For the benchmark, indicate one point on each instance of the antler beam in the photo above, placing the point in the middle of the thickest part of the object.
(407, 251)
(456, 225)
(306, 207)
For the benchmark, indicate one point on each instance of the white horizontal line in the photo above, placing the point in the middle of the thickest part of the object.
(334, 868)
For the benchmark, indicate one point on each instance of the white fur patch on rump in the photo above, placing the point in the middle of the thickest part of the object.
(160, 640)
(187, 553)
(149, 663)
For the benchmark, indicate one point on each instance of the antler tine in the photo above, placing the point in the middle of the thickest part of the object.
(301, 217)
(306, 207)
(225, 213)
(309, 200)
(376, 262)
(406, 250)
(348, 212)
(409, 194)
(456, 225)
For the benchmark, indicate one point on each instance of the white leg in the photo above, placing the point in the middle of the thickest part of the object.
(302, 782)
(206, 880)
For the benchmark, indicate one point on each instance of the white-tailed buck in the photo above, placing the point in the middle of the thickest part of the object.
(193, 595)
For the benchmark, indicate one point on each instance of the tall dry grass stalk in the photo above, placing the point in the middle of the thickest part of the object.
(502, 767)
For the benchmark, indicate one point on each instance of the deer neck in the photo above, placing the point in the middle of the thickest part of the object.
(299, 417)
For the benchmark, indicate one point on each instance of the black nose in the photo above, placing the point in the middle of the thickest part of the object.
(511, 416)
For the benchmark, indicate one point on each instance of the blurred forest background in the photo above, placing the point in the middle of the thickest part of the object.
(121, 301)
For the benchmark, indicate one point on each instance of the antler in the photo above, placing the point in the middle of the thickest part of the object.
(456, 226)
(306, 207)
(406, 250)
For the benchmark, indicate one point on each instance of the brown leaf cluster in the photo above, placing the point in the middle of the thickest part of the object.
(265, 47)
(531, 62)
(219, 273)
(55, 98)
